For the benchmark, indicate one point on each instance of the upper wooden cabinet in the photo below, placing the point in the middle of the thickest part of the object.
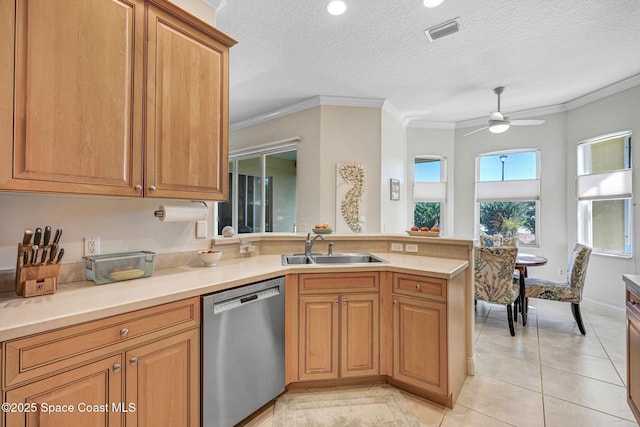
(112, 97)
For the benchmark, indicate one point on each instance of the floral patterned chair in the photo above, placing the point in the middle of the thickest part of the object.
(493, 276)
(569, 291)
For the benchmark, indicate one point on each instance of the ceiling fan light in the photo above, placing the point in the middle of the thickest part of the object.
(336, 7)
(498, 126)
(432, 3)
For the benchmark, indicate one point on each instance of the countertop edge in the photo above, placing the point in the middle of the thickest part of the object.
(161, 289)
(633, 282)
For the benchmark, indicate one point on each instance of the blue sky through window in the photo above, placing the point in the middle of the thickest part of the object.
(427, 170)
(517, 166)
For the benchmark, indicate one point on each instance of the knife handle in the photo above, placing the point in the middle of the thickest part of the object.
(34, 254)
(47, 235)
(25, 258)
(26, 238)
(60, 256)
(56, 238)
(37, 236)
(43, 259)
(52, 253)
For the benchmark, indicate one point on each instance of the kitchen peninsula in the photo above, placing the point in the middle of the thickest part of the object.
(120, 323)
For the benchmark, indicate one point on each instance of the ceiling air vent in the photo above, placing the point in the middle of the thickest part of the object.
(444, 29)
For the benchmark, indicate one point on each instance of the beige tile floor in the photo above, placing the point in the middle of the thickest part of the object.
(547, 375)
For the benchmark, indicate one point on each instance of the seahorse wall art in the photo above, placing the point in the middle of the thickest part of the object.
(352, 173)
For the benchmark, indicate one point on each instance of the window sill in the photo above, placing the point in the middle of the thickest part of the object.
(611, 255)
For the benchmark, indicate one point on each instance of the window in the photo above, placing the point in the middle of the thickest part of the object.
(508, 194)
(262, 190)
(604, 189)
(429, 191)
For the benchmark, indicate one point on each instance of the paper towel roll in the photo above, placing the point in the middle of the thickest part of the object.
(195, 211)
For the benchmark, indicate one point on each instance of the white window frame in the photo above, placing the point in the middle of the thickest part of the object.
(261, 151)
(611, 185)
(508, 190)
(431, 192)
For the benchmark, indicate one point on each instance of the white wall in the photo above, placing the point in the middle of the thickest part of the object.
(433, 142)
(614, 113)
(306, 125)
(350, 134)
(550, 139)
(123, 224)
(393, 165)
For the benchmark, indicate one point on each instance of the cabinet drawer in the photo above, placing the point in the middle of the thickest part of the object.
(324, 283)
(425, 287)
(43, 354)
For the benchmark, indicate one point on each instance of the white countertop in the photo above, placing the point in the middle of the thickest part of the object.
(84, 301)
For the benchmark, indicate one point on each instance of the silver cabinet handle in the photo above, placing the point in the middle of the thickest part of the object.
(152, 188)
(335, 302)
(395, 302)
(133, 360)
(138, 187)
(344, 302)
(418, 286)
(117, 367)
(124, 332)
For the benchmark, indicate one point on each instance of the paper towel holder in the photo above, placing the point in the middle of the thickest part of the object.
(160, 214)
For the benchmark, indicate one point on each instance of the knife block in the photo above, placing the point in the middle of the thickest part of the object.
(34, 280)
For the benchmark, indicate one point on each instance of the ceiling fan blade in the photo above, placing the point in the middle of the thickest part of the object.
(526, 122)
(477, 130)
(496, 115)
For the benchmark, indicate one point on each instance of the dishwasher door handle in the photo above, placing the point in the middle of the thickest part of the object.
(222, 306)
(249, 298)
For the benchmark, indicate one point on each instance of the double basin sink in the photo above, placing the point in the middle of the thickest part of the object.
(363, 258)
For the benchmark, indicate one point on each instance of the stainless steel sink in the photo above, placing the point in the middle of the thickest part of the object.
(296, 259)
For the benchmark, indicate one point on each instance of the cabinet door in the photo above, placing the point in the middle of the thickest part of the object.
(187, 110)
(77, 106)
(633, 359)
(163, 382)
(420, 343)
(319, 323)
(87, 393)
(360, 334)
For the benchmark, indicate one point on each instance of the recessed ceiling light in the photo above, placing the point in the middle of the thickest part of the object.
(432, 3)
(336, 7)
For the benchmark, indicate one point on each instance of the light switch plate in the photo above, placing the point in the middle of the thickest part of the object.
(201, 229)
(396, 247)
(411, 247)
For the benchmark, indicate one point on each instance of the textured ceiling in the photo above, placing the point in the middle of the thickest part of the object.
(545, 53)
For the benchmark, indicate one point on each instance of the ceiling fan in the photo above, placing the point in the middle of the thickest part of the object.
(498, 123)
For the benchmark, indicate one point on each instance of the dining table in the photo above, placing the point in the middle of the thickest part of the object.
(523, 262)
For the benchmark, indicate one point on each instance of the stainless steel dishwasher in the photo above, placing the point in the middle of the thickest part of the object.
(242, 351)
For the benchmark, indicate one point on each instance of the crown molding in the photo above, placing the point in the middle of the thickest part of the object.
(316, 101)
(417, 122)
(604, 92)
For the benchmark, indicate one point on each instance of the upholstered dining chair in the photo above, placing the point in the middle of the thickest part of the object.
(493, 274)
(569, 291)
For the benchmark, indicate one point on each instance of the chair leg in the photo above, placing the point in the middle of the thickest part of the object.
(575, 310)
(510, 319)
(515, 309)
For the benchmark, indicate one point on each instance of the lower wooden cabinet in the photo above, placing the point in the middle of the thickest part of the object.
(633, 353)
(136, 369)
(339, 336)
(163, 380)
(82, 396)
(419, 343)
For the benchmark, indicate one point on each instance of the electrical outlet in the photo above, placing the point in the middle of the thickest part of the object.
(92, 245)
(201, 229)
(411, 247)
(396, 247)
